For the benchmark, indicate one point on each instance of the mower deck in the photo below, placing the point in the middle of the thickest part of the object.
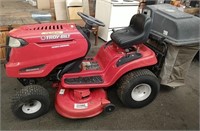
(80, 103)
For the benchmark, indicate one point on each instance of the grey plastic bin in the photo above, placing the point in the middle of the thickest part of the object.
(181, 33)
(178, 28)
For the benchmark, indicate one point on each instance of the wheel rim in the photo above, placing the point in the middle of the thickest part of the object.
(141, 92)
(31, 107)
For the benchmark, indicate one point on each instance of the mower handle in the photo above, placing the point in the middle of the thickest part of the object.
(90, 20)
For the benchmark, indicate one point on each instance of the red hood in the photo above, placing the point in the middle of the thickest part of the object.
(46, 32)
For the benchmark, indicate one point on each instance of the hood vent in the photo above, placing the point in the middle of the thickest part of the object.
(46, 27)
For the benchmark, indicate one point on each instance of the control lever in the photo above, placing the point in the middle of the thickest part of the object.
(126, 52)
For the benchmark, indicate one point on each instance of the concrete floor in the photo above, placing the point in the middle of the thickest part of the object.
(173, 109)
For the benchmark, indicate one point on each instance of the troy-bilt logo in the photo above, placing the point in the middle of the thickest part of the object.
(54, 37)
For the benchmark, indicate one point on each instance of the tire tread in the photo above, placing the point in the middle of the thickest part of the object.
(25, 92)
(125, 80)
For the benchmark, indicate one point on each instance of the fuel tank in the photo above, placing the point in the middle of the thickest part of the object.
(46, 46)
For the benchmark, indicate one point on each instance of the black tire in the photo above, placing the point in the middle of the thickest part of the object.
(197, 56)
(142, 78)
(109, 108)
(30, 102)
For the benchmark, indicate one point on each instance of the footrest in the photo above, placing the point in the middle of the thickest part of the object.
(85, 80)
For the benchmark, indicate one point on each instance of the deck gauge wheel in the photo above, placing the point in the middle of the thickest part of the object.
(109, 108)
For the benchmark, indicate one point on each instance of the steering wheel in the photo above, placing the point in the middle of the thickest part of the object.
(90, 20)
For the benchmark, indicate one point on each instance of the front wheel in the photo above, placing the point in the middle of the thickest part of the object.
(138, 88)
(31, 102)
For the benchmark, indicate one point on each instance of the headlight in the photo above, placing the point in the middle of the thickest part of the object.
(13, 42)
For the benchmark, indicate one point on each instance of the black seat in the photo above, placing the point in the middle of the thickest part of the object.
(137, 32)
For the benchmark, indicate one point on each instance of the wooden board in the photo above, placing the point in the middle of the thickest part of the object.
(3, 37)
(2, 44)
(16, 21)
(51, 3)
(2, 53)
(14, 7)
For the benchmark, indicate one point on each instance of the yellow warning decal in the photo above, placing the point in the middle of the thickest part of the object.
(52, 32)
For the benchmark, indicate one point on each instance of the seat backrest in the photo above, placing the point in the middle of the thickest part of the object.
(136, 33)
(139, 22)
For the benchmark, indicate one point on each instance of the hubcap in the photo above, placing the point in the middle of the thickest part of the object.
(141, 92)
(31, 107)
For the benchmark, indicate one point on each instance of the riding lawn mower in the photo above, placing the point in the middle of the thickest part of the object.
(58, 52)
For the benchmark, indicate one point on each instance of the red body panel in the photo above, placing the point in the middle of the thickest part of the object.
(48, 44)
(107, 59)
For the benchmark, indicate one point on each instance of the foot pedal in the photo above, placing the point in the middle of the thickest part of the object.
(90, 65)
(85, 80)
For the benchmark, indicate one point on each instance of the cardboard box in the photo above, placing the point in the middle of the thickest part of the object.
(43, 4)
(72, 12)
(192, 11)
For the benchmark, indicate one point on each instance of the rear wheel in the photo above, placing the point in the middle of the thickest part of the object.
(31, 102)
(138, 88)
